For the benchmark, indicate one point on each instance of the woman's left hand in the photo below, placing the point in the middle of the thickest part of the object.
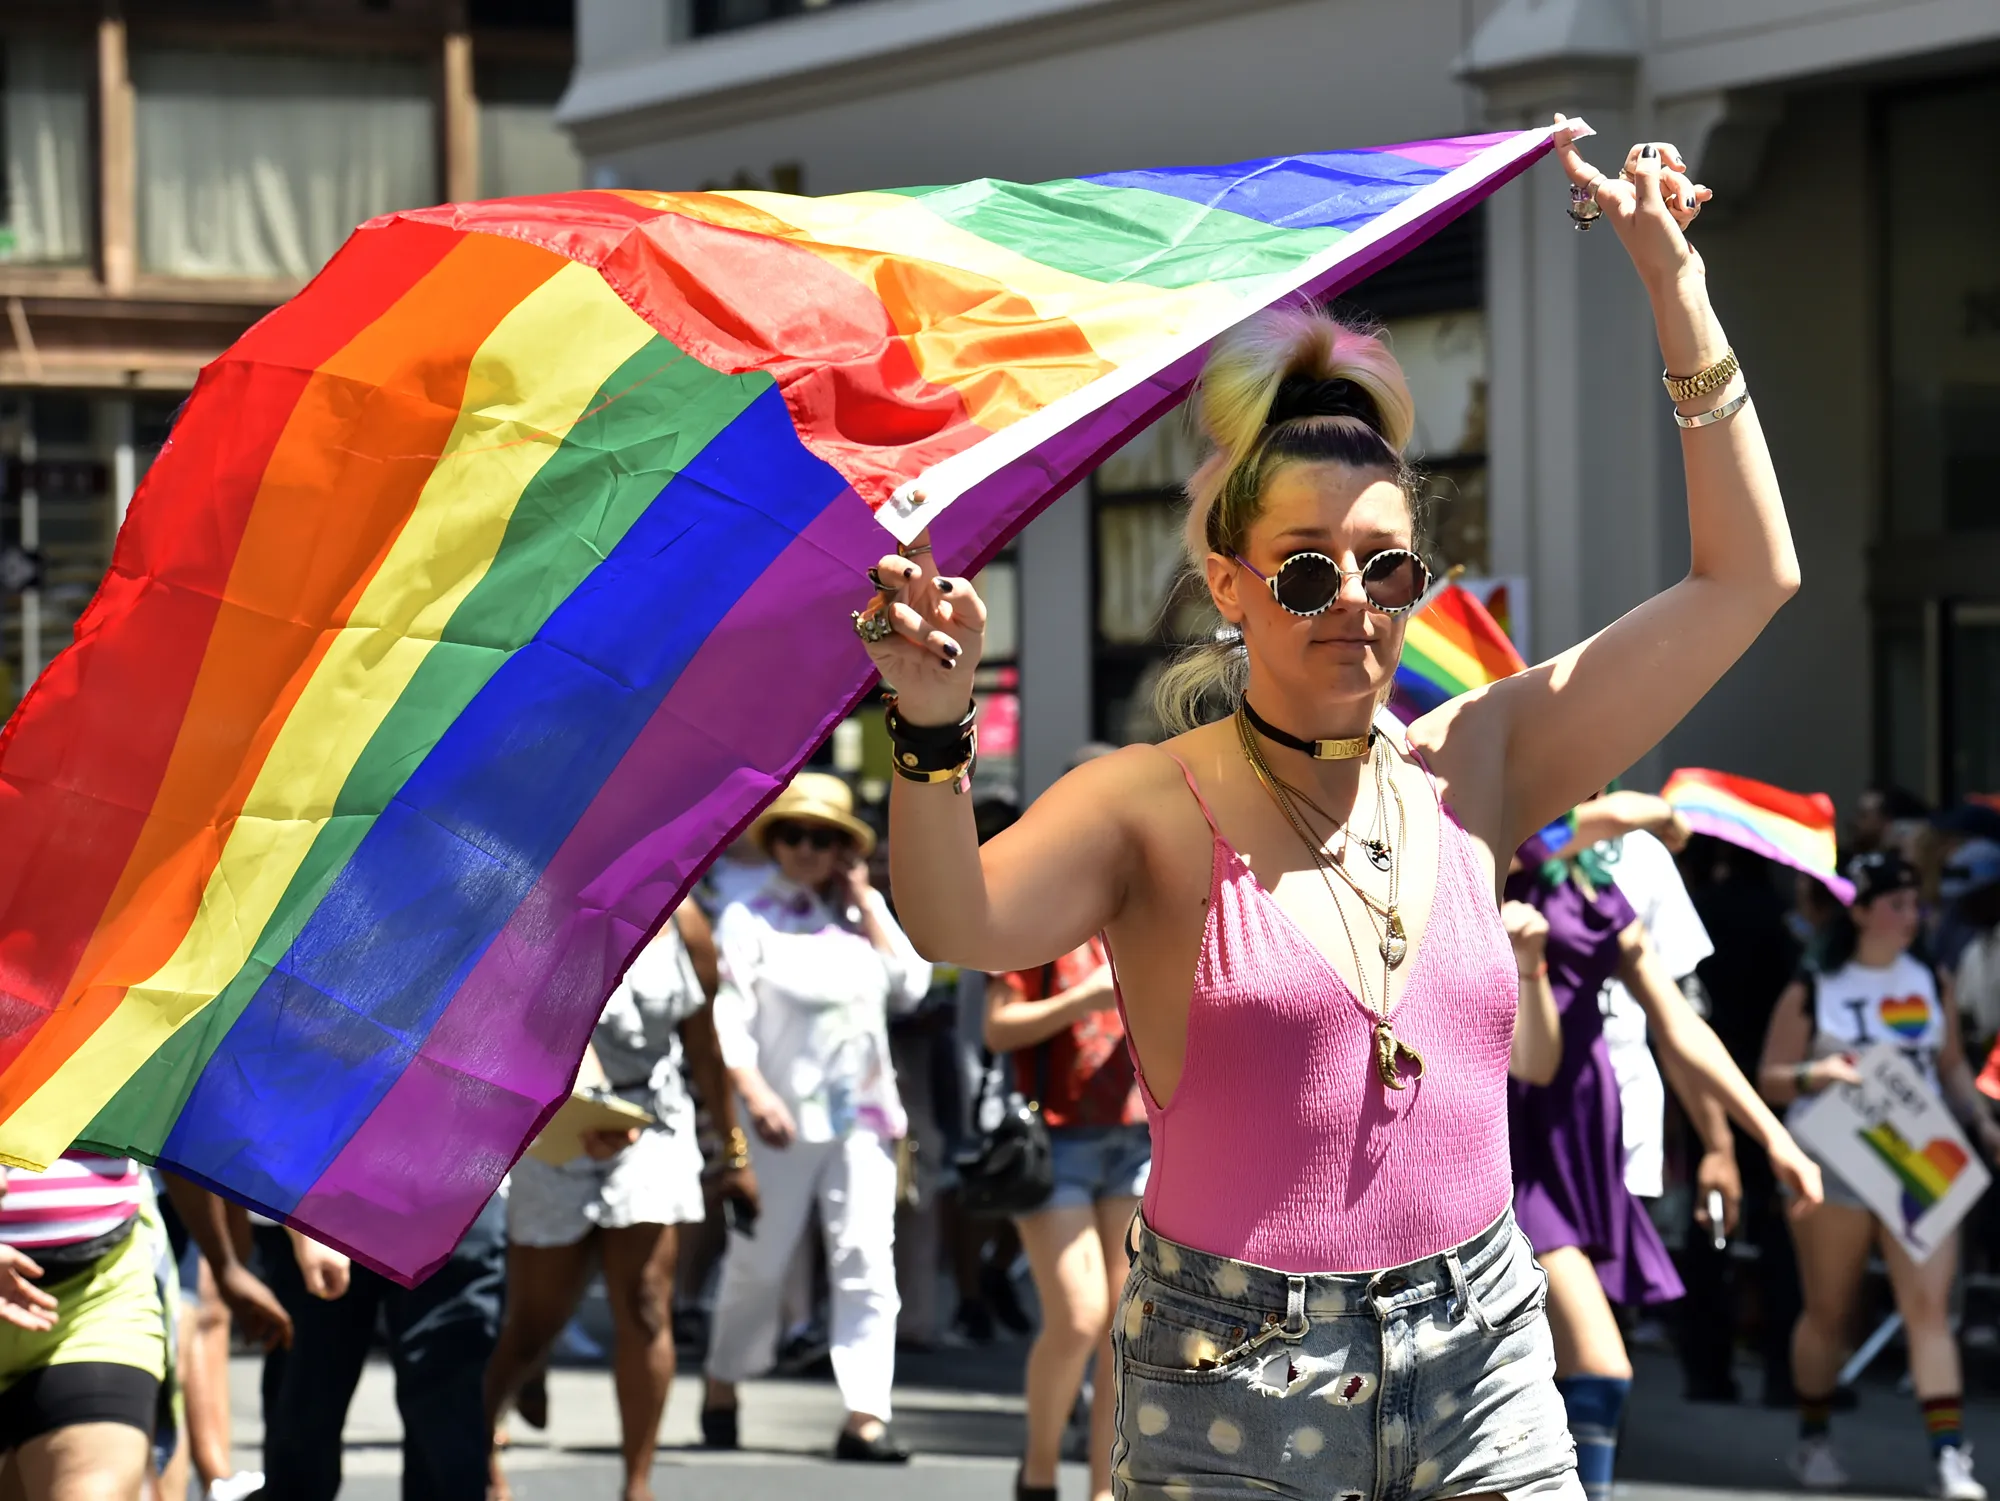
(1797, 1172)
(1650, 202)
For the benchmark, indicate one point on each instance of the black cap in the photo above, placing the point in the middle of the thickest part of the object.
(1878, 873)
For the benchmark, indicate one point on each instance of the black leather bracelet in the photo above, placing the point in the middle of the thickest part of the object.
(904, 733)
(917, 760)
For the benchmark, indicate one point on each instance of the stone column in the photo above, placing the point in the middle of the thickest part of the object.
(1576, 414)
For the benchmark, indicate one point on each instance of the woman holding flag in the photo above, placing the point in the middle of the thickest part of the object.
(1330, 1294)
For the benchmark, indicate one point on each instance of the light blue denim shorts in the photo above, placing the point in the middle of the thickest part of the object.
(1098, 1162)
(1432, 1379)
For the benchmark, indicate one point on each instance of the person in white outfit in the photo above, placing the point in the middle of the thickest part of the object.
(812, 966)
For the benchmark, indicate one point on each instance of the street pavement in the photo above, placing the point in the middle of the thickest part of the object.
(961, 1410)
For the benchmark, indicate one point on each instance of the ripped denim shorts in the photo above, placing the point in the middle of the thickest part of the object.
(1432, 1379)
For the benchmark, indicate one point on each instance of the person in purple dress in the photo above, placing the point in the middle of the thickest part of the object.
(1591, 1236)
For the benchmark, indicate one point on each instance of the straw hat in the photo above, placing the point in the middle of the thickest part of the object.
(814, 797)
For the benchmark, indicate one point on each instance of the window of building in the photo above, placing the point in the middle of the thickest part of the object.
(1935, 572)
(522, 151)
(256, 164)
(707, 17)
(45, 143)
(55, 499)
(1943, 320)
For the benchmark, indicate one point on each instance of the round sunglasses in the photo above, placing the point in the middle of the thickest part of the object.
(1307, 583)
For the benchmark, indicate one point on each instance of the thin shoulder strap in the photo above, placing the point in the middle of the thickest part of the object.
(1188, 777)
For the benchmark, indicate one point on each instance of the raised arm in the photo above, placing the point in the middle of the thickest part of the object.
(1049, 882)
(1575, 721)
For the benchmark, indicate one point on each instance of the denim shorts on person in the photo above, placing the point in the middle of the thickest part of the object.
(1098, 1162)
(1432, 1379)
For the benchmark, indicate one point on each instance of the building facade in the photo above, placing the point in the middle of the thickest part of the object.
(1858, 276)
(169, 172)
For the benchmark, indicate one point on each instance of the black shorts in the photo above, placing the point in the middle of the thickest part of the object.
(89, 1391)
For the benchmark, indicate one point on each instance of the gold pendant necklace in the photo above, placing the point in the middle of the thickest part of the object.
(1392, 1055)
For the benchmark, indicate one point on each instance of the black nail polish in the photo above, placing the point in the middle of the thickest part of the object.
(944, 586)
(951, 649)
(1648, 152)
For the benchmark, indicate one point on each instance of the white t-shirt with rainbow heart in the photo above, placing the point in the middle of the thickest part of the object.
(1856, 1007)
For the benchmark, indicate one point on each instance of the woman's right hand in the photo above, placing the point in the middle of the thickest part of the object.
(769, 1118)
(23, 1304)
(940, 631)
(1528, 932)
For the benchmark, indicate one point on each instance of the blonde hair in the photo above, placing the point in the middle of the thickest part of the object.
(1246, 371)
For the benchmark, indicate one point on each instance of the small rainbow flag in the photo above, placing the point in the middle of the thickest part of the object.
(1452, 646)
(488, 588)
(1793, 828)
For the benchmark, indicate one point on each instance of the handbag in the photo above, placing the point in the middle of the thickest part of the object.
(1011, 1169)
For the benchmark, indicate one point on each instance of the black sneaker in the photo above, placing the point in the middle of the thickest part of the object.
(883, 1449)
(718, 1428)
(974, 1322)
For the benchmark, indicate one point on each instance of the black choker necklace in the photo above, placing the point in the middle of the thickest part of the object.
(1350, 749)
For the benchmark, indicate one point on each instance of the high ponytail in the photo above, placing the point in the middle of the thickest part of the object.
(1287, 385)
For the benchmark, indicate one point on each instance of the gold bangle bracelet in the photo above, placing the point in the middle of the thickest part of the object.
(933, 778)
(1714, 378)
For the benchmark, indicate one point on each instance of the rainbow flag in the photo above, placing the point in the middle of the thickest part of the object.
(1925, 1175)
(1452, 646)
(1793, 828)
(490, 586)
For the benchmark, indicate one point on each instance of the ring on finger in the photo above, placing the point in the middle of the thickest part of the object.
(873, 626)
(1584, 209)
(916, 549)
(882, 585)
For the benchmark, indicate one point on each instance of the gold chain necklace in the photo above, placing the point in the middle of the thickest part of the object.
(1390, 1052)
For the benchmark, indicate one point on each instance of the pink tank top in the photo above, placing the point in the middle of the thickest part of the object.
(1281, 1147)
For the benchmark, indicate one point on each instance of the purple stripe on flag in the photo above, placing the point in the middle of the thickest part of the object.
(1454, 151)
(780, 670)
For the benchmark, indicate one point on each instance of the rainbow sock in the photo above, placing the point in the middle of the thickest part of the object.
(1596, 1404)
(1944, 1421)
(1815, 1415)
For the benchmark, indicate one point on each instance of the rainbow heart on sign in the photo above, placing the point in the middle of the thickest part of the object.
(1906, 1016)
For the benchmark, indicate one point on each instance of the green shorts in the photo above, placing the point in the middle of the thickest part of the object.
(111, 1312)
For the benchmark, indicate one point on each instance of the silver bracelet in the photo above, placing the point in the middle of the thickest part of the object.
(1728, 409)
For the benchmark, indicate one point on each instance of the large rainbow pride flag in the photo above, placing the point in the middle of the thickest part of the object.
(490, 586)
(1792, 828)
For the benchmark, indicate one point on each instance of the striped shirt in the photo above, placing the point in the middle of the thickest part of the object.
(80, 1198)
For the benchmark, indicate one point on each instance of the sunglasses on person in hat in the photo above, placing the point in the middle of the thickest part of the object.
(818, 836)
